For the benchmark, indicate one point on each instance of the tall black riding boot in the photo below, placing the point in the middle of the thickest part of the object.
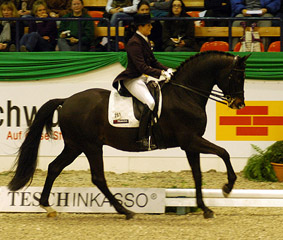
(145, 129)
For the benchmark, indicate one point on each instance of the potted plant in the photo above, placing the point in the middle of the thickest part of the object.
(264, 165)
(275, 155)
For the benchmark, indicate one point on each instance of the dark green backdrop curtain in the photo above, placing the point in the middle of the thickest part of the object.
(44, 65)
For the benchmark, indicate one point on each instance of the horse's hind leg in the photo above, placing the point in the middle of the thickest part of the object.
(194, 160)
(66, 157)
(95, 159)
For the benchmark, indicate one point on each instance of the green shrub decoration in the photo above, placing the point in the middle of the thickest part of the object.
(275, 152)
(259, 166)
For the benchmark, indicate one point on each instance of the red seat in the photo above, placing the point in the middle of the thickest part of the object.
(274, 47)
(215, 45)
(96, 14)
(238, 46)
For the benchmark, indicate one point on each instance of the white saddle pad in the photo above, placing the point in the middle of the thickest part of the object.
(121, 112)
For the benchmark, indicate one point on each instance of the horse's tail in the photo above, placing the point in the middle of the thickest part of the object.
(27, 157)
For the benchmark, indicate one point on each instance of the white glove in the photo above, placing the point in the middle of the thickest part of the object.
(170, 71)
(166, 75)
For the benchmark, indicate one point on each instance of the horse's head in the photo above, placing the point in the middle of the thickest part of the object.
(202, 71)
(233, 87)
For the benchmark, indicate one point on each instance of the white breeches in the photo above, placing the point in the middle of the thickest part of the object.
(137, 87)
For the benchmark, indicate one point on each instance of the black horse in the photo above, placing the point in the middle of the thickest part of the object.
(83, 119)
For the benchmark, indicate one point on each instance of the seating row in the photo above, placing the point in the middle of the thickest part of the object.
(200, 30)
(224, 46)
(205, 31)
(102, 3)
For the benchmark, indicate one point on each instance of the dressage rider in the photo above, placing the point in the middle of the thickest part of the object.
(141, 63)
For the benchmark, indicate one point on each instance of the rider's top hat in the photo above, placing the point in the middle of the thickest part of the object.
(142, 19)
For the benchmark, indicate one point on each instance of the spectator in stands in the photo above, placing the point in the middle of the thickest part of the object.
(178, 35)
(24, 7)
(121, 9)
(217, 8)
(279, 13)
(69, 31)
(57, 8)
(42, 34)
(8, 28)
(156, 32)
(242, 8)
(159, 8)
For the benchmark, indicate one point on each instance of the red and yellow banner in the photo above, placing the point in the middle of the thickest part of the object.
(258, 121)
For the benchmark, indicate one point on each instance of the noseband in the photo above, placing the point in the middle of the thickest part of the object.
(215, 95)
(230, 98)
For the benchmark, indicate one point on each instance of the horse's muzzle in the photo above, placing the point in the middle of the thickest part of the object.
(236, 103)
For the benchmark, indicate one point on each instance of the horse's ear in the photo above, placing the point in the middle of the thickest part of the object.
(245, 57)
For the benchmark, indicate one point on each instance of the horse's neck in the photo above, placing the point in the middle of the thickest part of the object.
(195, 76)
(198, 80)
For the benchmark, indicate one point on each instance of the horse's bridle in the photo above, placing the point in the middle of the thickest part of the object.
(227, 99)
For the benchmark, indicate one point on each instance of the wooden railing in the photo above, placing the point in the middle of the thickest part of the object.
(205, 31)
(103, 31)
(95, 3)
(236, 31)
(102, 3)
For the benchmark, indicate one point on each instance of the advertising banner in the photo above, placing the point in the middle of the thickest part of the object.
(86, 200)
(20, 101)
(258, 121)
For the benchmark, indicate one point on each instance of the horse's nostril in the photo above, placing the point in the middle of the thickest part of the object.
(241, 105)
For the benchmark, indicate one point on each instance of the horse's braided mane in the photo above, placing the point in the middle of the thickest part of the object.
(202, 54)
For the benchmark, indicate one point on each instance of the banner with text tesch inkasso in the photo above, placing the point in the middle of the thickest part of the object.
(85, 200)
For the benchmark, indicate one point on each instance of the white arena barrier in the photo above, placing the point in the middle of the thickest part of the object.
(215, 198)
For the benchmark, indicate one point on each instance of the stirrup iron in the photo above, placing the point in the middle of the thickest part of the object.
(149, 141)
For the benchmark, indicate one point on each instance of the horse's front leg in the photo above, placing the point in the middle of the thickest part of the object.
(227, 188)
(202, 145)
(194, 160)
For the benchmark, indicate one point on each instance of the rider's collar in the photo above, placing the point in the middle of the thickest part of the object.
(143, 36)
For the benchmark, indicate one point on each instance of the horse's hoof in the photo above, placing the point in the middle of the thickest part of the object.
(50, 211)
(129, 215)
(208, 214)
(226, 191)
(52, 214)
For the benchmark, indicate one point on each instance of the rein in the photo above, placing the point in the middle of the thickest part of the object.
(204, 93)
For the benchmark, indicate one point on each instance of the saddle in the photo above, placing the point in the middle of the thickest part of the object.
(126, 100)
